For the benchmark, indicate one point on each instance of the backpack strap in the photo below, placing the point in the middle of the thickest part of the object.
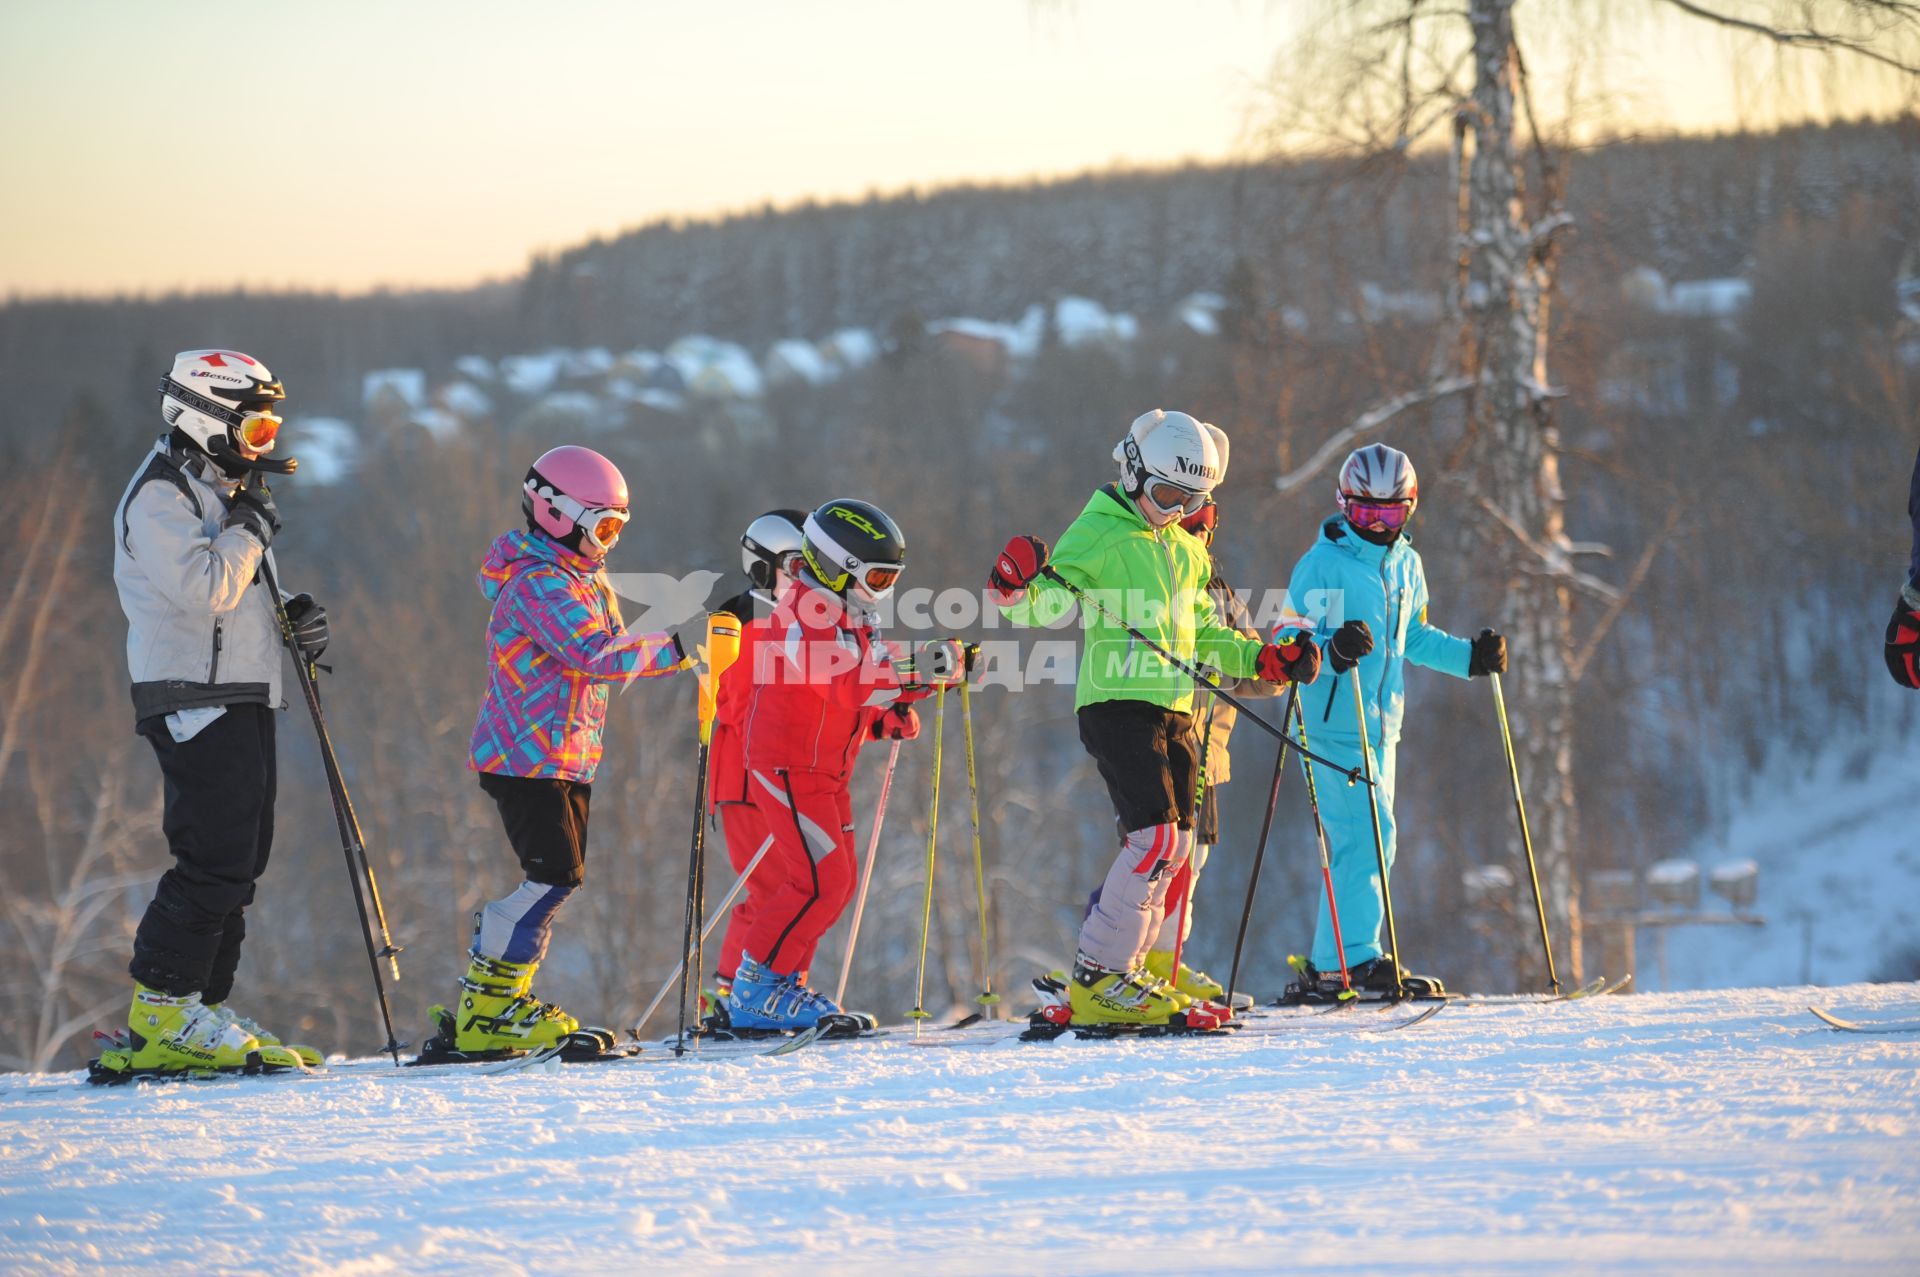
(162, 465)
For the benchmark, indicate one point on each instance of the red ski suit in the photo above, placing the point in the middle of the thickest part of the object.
(812, 682)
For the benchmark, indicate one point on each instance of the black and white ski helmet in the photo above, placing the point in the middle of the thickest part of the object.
(222, 401)
(769, 542)
(1379, 473)
(854, 546)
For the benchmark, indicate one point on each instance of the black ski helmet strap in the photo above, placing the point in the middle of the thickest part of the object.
(1135, 479)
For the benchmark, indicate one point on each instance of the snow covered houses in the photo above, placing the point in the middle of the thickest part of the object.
(727, 386)
(589, 392)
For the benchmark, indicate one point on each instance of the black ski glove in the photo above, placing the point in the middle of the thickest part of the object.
(1489, 655)
(309, 622)
(254, 510)
(1349, 643)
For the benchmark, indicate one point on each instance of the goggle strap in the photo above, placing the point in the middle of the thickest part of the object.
(575, 509)
(194, 399)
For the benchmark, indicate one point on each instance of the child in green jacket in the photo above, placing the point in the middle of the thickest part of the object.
(1128, 552)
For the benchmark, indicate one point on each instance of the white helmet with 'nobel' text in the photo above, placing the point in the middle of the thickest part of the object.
(1171, 448)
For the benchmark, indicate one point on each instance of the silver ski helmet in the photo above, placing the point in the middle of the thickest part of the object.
(222, 401)
(1378, 489)
(769, 543)
(854, 546)
(1172, 459)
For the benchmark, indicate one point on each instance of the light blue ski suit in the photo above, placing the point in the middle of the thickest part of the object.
(1345, 577)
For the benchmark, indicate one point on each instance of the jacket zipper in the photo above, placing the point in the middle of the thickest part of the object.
(213, 666)
(1173, 628)
(1393, 629)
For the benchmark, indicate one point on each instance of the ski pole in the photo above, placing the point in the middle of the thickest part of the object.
(687, 959)
(988, 998)
(919, 1012)
(1260, 851)
(733, 894)
(351, 841)
(1520, 810)
(1326, 864)
(1192, 874)
(1379, 842)
(723, 645)
(1200, 676)
(866, 879)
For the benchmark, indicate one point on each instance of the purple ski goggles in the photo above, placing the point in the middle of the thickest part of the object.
(1377, 516)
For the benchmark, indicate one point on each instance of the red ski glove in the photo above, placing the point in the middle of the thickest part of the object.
(896, 722)
(1016, 568)
(1903, 644)
(1295, 661)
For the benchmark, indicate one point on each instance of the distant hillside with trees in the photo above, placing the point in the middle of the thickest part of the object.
(1741, 394)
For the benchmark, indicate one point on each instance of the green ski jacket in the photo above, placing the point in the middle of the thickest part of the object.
(1157, 582)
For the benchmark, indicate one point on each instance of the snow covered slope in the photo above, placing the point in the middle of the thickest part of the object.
(1699, 1132)
(1839, 880)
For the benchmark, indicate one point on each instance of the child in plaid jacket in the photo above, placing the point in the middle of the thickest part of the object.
(555, 648)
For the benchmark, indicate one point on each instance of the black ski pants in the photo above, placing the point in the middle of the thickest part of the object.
(218, 821)
(1149, 759)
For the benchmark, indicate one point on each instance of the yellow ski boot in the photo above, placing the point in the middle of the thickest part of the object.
(181, 1035)
(1098, 995)
(1198, 986)
(308, 1055)
(498, 1012)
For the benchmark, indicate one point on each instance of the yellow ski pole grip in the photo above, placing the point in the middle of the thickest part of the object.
(723, 648)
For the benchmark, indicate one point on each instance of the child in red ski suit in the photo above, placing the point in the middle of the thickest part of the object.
(818, 683)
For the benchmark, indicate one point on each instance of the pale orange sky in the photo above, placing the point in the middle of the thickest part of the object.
(352, 144)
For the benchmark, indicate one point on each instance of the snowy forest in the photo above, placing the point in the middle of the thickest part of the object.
(1736, 329)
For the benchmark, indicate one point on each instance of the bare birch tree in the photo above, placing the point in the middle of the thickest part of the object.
(1409, 69)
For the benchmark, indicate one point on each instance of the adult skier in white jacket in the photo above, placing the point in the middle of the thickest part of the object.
(203, 652)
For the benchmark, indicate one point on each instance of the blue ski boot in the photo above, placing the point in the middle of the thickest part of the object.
(762, 1000)
(818, 1004)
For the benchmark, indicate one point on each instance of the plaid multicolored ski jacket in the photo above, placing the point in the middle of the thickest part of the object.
(554, 644)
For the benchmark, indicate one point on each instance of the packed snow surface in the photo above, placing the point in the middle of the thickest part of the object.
(1699, 1132)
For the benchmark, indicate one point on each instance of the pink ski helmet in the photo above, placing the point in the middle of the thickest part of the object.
(577, 497)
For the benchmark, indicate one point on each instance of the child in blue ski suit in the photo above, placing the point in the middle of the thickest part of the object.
(1366, 575)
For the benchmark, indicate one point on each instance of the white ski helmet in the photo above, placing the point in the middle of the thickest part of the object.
(769, 543)
(1174, 448)
(222, 400)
